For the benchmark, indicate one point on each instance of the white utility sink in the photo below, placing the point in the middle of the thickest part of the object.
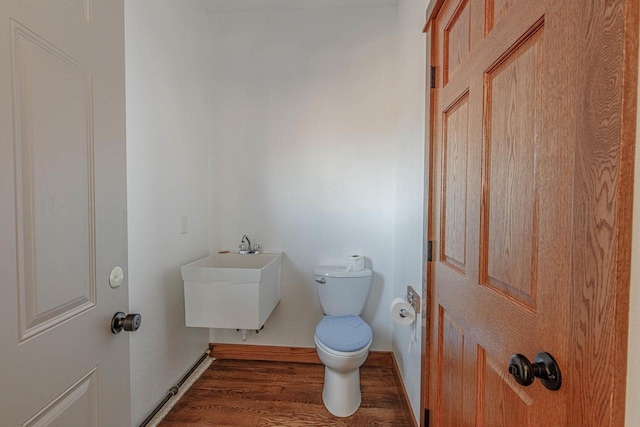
(230, 290)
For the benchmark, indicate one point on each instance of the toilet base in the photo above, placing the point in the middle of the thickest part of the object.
(341, 392)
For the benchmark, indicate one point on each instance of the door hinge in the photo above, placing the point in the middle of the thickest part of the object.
(433, 77)
(429, 250)
(426, 418)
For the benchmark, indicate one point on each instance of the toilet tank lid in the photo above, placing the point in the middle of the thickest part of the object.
(340, 272)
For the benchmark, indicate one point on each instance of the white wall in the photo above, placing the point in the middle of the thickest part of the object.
(316, 124)
(633, 358)
(167, 179)
(410, 168)
(303, 138)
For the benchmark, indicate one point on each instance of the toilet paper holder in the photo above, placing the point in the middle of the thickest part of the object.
(412, 298)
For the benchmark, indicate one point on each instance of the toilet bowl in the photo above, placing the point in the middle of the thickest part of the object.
(342, 338)
(341, 392)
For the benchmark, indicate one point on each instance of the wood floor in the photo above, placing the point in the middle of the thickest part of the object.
(260, 394)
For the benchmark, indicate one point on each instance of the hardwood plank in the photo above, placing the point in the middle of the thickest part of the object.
(265, 393)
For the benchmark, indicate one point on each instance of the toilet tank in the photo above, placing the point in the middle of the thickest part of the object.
(341, 292)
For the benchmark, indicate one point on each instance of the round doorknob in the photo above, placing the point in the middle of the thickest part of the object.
(521, 369)
(130, 322)
(544, 367)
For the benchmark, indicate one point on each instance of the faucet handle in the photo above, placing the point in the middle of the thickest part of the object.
(256, 248)
(243, 247)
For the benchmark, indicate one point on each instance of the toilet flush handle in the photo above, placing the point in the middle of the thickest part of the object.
(321, 280)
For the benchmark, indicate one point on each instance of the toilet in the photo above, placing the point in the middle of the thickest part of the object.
(342, 338)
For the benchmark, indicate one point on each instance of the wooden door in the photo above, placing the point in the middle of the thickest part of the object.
(62, 213)
(533, 131)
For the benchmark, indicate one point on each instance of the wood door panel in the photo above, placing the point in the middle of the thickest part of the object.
(472, 378)
(457, 42)
(454, 202)
(451, 383)
(510, 198)
(481, 325)
(523, 21)
(496, 385)
(495, 10)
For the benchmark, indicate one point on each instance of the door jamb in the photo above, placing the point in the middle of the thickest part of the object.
(427, 273)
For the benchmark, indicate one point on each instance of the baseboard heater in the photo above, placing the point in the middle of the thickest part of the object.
(174, 390)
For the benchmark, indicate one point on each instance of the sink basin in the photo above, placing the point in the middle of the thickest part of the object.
(229, 290)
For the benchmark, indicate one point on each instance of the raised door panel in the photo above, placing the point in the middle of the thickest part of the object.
(454, 200)
(495, 385)
(54, 171)
(76, 406)
(510, 197)
(457, 43)
(451, 373)
(79, 7)
(495, 10)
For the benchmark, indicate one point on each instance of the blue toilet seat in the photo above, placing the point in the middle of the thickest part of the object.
(344, 333)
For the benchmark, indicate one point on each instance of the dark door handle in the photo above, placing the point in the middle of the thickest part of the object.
(129, 323)
(544, 367)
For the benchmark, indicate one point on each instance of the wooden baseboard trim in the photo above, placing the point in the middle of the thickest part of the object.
(287, 354)
(407, 403)
(264, 352)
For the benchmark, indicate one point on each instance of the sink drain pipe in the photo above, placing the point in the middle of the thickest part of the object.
(174, 390)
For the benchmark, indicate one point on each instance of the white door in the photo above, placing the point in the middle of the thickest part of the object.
(62, 213)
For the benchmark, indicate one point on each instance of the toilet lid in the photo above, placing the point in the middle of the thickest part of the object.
(343, 333)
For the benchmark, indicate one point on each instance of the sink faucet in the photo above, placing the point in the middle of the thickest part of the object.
(246, 248)
(244, 237)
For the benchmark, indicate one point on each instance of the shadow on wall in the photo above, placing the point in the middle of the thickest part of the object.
(298, 288)
(375, 295)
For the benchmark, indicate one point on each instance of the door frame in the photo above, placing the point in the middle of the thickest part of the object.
(619, 282)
